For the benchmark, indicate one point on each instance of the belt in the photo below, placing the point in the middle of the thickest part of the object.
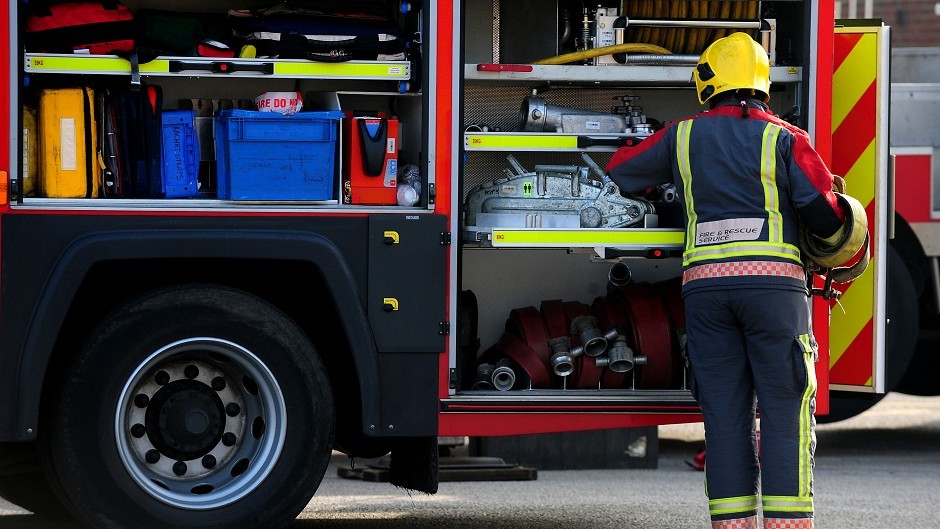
(744, 268)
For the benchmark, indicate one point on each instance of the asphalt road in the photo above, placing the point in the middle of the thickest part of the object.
(879, 470)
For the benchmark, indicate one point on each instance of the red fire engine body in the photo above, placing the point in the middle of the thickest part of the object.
(195, 360)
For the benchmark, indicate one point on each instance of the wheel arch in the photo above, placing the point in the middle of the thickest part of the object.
(69, 299)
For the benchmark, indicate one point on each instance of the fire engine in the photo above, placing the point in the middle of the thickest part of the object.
(192, 320)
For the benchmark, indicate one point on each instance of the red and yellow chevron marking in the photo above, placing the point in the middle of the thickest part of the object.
(855, 155)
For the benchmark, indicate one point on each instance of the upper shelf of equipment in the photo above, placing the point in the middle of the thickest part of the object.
(46, 63)
(635, 74)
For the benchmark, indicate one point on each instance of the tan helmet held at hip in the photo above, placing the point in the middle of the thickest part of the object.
(853, 239)
(734, 62)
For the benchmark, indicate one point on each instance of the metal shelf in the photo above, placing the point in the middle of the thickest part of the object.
(638, 241)
(612, 74)
(213, 67)
(544, 141)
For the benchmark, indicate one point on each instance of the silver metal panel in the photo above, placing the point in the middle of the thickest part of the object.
(915, 114)
(881, 212)
(915, 65)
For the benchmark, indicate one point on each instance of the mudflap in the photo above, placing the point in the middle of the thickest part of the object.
(415, 464)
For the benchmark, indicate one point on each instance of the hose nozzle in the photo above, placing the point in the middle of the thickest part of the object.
(620, 357)
(619, 274)
(484, 379)
(592, 339)
(503, 376)
(563, 355)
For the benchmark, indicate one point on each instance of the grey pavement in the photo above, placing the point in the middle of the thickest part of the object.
(879, 470)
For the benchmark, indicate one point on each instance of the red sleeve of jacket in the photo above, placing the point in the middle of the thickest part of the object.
(624, 154)
(648, 164)
(816, 171)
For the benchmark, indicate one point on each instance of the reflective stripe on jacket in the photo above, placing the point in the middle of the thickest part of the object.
(745, 182)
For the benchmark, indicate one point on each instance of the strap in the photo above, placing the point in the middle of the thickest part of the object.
(135, 71)
(90, 155)
(847, 274)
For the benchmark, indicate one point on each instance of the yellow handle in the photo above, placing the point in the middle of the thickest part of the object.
(390, 304)
(391, 237)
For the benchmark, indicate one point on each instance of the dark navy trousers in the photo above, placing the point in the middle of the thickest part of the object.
(752, 349)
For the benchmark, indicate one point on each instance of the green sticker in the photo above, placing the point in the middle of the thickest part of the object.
(527, 188)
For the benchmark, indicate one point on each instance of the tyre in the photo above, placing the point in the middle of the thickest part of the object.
(191, 407)
(900, 340)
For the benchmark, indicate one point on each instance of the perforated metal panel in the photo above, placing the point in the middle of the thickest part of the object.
(498, 109)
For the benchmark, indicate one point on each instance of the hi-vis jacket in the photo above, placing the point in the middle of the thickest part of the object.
(746, 182)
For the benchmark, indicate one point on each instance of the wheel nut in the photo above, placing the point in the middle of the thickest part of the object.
(191, 371)
(229, 439)
(179, 468)
(141, 401)
(153, 456)
(162, 378)
(138, 430)
(232, 409)
(209, 462)
(218, 383)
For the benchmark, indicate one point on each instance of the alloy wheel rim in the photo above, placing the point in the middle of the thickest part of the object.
(200, 423)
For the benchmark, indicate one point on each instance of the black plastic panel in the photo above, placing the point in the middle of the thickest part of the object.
(407, 282)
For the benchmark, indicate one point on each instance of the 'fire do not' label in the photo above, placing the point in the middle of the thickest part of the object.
(286, 103)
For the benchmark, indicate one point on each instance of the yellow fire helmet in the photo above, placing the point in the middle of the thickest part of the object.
(732, 63)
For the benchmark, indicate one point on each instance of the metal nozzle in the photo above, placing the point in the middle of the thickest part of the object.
(503, 376)
(668, 193)
(484, 378)
(592, 339)
(563, 355)
(620, 274)
(620, 356)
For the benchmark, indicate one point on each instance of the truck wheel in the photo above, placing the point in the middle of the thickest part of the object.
(900, 340)
(192, 407)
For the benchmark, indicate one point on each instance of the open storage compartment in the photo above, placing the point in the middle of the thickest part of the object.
(570, 290)
(208, 78)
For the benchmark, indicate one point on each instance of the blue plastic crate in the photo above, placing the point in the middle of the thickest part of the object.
(269, 156)
(180, 154)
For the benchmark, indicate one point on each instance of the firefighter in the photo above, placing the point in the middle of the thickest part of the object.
(749, 183)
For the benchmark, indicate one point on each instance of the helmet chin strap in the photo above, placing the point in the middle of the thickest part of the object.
(741, 99)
